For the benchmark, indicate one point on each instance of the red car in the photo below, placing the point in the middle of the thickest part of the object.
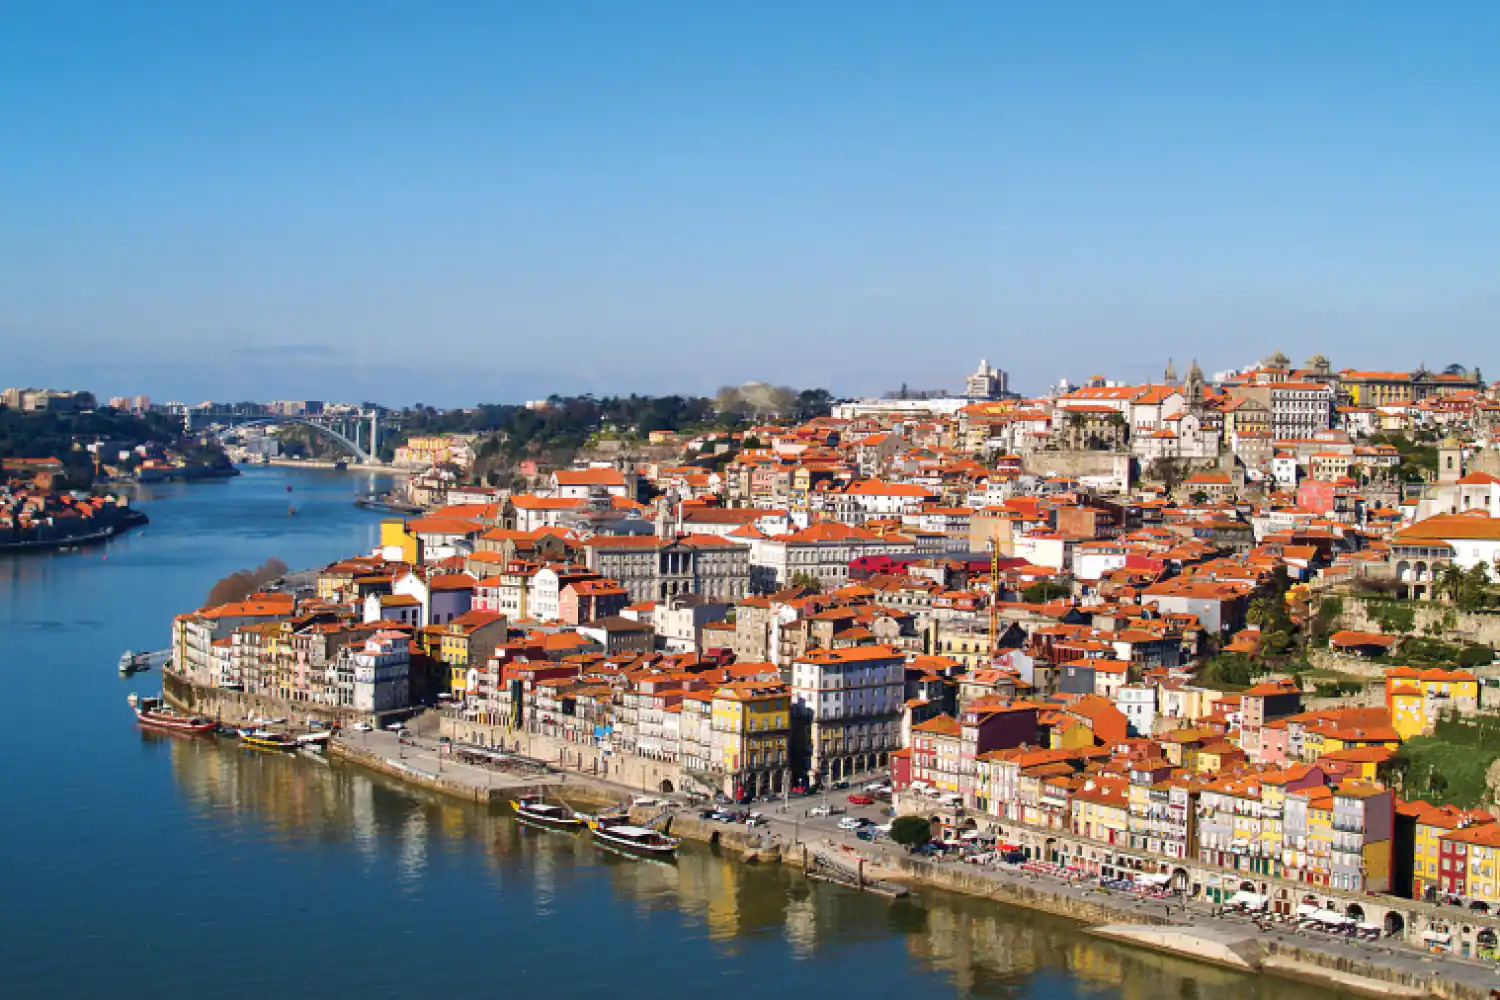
(860, 799)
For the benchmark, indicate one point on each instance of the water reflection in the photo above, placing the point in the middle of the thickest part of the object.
(979, 948)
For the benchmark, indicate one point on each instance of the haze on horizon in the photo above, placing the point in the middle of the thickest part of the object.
(463, 203)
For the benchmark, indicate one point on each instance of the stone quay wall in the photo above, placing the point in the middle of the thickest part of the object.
(641, 773)
(1030, 895)
(237, 706)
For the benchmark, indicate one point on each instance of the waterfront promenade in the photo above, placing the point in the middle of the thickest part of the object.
(1189, 928)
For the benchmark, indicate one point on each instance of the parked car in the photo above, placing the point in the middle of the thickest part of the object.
(363, 727)
(860, 799)
(851, 823)
(840, 784)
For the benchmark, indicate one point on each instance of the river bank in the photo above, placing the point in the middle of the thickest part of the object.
(326, 465)
(127, 520)
(1184, 930)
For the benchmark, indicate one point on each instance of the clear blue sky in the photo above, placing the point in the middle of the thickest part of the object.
(457, 202)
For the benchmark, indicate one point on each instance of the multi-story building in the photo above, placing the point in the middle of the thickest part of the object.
(751, 736)
(1364, 819)
(467, 641)
(822, 551)
(936, 749)
(654, 569)
(849, 704)
(381, 673)
(1300, 409)
(193, 635)
(1101, 810)
(1417, 698)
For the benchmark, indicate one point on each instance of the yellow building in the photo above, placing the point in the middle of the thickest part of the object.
(936, 754)
(1101, 810)
(1434, 823)
(1418, 698)
(467, 641)
(1319, 835)
(396, 542)
(425, 451)
(1377, 388)
(1071, 734)
(1479, 846)
(751, 724)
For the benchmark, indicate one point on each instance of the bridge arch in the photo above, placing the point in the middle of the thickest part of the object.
(359, 453)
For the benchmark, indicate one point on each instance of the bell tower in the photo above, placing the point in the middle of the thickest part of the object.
(1450, 460)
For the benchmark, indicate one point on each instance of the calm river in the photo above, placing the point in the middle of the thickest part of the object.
(138, 865)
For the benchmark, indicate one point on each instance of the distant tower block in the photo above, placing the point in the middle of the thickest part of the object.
(987, 382)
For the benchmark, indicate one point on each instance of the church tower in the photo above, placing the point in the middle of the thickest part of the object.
(1193, 389)
(1450, 460)
(1170, 375)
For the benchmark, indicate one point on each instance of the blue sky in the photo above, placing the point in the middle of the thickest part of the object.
(458, 202)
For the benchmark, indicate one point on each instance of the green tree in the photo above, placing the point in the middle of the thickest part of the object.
(911, 831)
(1044, 591)
(806, 581)
(1472, 592)
(1228, 670)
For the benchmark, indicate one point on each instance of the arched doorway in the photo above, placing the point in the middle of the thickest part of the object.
(1049, 852)
(1394, 923)
(1355, 912)
(1282, 903)
(1247, 887)
(1180, 879)
(666, 787)
(1484, 943)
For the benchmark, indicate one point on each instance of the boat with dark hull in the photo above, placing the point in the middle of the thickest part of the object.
(155, 712)
(534, 809)
(265, 739)
(616, 833)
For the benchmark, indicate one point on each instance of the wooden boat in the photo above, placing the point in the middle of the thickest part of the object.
(155, 713)
(533, 809)
(316, 742)
(616, 833)
(264, 739)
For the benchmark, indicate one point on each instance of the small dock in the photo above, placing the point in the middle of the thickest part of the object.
(428, 765)
(821, 867)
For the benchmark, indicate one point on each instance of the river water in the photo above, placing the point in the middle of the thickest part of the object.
(142, 865)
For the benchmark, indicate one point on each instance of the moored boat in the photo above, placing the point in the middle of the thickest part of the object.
(534, 809)
(618, 834)
(265, 739)
(131, 662)
(154, 712)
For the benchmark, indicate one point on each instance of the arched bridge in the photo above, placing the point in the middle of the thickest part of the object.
(344, 429)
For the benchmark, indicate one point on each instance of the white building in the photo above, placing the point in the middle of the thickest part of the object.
(850, 701)
(1138, 703)
(1474, 538)
(680, 619)
(382, 670)
(823, 550)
